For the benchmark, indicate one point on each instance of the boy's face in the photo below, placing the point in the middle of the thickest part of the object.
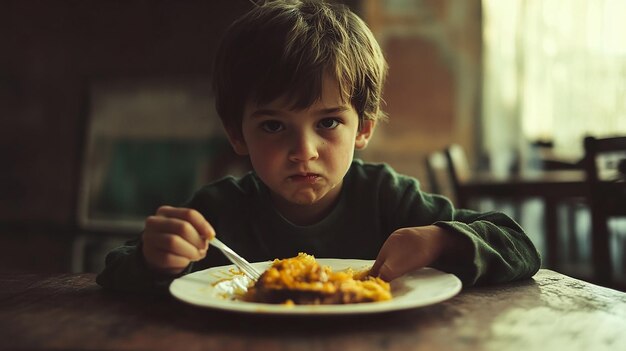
(302, 155)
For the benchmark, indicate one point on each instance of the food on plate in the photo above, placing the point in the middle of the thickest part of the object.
(301, 280)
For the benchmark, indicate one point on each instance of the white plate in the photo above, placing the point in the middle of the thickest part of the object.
(215, 288)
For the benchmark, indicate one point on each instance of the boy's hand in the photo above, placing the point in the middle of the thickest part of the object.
(175, 237)
(408, 249)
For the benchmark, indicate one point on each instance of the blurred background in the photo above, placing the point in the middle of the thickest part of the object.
(106, 110)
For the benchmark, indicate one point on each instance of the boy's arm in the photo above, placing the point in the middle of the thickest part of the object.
(410, 248)
(478, 252)
(126, 270)
(495, 248)
(172, 239)
(500, 251)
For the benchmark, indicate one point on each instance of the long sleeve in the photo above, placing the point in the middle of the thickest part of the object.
(501, 251)
(126, 271)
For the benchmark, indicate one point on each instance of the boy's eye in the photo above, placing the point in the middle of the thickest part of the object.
(328, 123)
(272, 126)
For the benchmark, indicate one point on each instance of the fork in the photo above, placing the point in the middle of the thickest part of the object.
(243, 265)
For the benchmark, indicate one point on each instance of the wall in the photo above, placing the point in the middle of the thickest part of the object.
(433, 92)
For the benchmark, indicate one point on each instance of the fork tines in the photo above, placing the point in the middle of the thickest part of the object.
(244, 266)
(239, 261)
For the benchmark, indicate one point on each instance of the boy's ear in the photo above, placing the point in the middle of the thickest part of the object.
(364, 134)
(236, 141)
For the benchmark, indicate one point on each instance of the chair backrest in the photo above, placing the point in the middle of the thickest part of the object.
(459, 166)
(606, 184)
(439, 175)
(604, 158)
(604, 163)
(459, 170)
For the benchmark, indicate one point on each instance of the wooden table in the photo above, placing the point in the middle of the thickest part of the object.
(549, 312)
(565, 183)
(551, 186)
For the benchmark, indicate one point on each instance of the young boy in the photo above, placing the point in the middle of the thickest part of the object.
(298, 89)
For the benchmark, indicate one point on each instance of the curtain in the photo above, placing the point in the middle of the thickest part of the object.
(553, 70)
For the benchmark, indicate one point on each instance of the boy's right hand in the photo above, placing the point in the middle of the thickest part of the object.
(175, 237)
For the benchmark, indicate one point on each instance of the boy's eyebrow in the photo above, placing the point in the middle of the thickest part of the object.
(323, 111)
(265, 112)
(331, 110)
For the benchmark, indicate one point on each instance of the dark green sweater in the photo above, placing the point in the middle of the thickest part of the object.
(374, 202)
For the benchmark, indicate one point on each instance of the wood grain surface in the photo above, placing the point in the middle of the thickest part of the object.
(550, 311)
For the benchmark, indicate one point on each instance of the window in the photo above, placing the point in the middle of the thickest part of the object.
(553, 70)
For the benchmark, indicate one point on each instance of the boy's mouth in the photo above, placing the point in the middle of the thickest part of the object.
(305, 177)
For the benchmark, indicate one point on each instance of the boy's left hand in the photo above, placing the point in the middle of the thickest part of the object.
(408, 249)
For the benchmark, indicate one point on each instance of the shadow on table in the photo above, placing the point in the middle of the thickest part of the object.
(171, 313)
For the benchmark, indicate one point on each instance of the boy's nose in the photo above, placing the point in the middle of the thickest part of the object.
(303, 148)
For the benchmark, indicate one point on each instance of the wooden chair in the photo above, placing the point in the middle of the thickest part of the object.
(604, 163)
(438, 174)
(459, 170)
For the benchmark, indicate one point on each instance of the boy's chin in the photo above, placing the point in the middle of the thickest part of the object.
(308, 196)
(304, 198)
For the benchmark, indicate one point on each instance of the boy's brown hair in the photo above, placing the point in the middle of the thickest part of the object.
(284, 48)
